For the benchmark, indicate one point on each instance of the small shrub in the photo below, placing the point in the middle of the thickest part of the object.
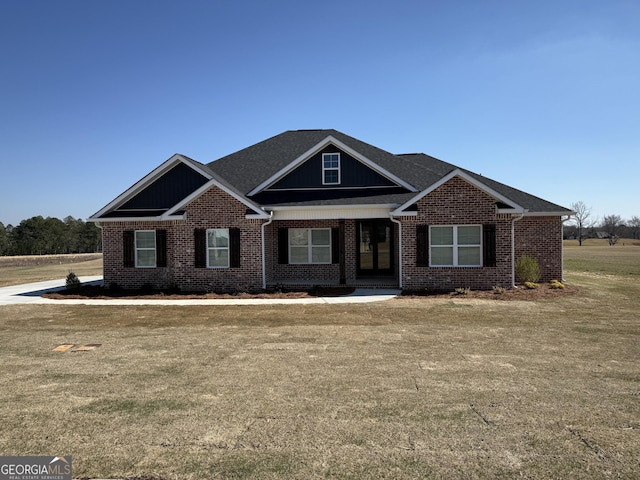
(72, 282)
(527, 269)
(556, 284)
(499, 290)
(531, 285)
(462, 291)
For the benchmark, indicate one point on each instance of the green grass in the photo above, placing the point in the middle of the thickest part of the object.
(410, 388)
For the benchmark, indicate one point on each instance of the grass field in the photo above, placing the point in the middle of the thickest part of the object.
(35, 268)
(404, 389)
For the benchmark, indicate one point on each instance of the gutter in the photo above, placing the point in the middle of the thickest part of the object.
(562, 246)
(513, 248)
(399, 249)
(264, 267)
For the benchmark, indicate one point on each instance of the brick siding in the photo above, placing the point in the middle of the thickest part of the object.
(455, 203)
(213, 209)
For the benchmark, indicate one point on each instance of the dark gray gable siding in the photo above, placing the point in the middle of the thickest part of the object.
(168, 190)
(353, 174)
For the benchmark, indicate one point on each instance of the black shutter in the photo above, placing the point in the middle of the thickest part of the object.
(489, 245)
(128, 248)
(234, 247)
(161, 248)
(283, 245)
(200, 247)
(335, 245)
(422, 245)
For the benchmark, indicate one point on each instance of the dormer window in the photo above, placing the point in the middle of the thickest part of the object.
(330, 168)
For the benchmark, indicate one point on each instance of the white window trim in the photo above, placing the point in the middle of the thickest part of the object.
(228, 248)
(455, 246)
(154, 248)
(309, 247)
(337, 169)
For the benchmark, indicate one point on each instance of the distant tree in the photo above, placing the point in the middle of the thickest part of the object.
(29, 237)
(582, 219)
(89, 238)
(612, 224)
(4, 240)
(634, 225)
(41, 236)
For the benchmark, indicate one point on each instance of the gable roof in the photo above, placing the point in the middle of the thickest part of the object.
(163, 193)
(247, 175)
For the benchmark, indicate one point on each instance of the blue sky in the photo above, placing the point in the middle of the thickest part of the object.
(541, 95)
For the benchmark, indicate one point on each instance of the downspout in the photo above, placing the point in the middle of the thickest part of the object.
(264, 266)
(513, 248)
(399, 249)
(562, 246)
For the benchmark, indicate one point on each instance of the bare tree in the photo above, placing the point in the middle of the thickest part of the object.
(611, 224)
(634, 224)
(582, 219)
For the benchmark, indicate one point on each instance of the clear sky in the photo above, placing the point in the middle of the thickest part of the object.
(541, 95)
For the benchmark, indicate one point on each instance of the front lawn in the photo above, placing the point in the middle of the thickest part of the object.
(420, 387)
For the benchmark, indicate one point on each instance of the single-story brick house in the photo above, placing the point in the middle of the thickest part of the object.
(318, 207)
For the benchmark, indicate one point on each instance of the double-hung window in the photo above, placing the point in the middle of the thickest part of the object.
(145, 248)
(455, 246)
(309, 245)
(330, 168)
(218, 248)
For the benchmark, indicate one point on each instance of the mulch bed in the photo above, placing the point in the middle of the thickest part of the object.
(98, 292)
(101, 293)
(544, 291)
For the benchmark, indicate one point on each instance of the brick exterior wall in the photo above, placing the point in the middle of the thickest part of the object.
(213, 209)
(457, 202)
(302, 273)
(541, 238)
(454, 203)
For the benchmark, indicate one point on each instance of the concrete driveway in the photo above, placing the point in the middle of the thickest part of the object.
(32, 294)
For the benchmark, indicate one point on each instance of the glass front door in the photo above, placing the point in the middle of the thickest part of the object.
(375, 247)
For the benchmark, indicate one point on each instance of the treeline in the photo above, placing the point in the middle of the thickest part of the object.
(612, 227)
(50, 236)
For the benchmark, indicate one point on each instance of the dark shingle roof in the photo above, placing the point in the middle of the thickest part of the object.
(249, 167)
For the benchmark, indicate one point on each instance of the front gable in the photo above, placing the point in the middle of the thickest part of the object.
(319, 170)
(163, 193)
(331, 165)
(500, 202)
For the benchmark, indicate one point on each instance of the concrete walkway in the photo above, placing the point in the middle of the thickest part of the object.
(32, 294)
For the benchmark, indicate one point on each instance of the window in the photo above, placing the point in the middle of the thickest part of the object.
(145, 248)
(457, 246)
(309, 245)
(330, 168)
(218, 248)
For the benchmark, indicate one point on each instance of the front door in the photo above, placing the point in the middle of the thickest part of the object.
(375, 247)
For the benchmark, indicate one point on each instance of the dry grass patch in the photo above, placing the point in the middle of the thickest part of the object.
(430, 387)
(34, 268)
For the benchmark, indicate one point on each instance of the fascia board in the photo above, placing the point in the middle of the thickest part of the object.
(315, 149)
(214, 183)
(328, 207)
(148, 180)
(548, 214)
(129, 219)
(468, 178)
